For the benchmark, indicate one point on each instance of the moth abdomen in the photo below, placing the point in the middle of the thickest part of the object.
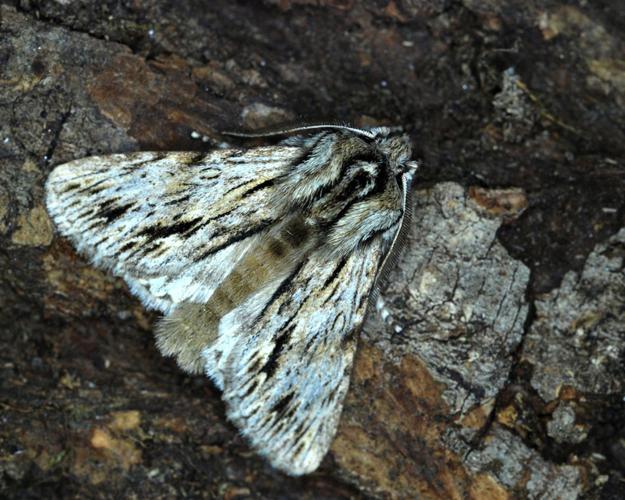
(192, 327)
(275, 254)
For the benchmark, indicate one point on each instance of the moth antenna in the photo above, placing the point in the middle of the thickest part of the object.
(370, 134)
(392, 256)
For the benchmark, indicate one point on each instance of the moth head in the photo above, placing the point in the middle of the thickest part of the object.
(396, 148)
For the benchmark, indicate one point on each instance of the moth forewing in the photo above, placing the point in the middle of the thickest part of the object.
(261, 260)
(171, 224)
(287, 378)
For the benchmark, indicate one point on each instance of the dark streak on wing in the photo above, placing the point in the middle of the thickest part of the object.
(300, 430)
(156, 251)
(298, 449)
(235, 239)
(351, 335)
(304, 286)
(155, 232)
(230, 155)
(96, 190)
(157, 156)
(101, 240)
(332, 278)
(178, 200)
(84, 214)
(127, 168)
(310, 342)
(111, 213)
(250, 160)
(202, 177)
(250, 389)
(281, 405)
(361, 301)
(130, 170)
(336, 272)
(282, 288)
(340, 315)
(126, 246)
(107, 203)
(193, 230)
(73, 204)
(288, 415)
(253, 189)
(211, 167)
(234, 188)
(219, 216)
(92, 225)
(365, 296)
(272, 362)
(331, 294)
(258, 187)
(70, 187)
(330, 397)
(90, 187)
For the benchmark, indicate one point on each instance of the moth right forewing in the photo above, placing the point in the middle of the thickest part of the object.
(287, 372)
(232, 326)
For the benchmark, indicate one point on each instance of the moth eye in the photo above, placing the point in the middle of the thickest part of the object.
(411, 166)
(408, 166)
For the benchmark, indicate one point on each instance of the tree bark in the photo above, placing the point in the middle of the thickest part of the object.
(506, 380)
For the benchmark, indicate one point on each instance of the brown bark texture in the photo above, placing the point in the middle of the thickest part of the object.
(508, 378)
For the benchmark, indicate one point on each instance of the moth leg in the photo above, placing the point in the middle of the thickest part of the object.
(387, 317)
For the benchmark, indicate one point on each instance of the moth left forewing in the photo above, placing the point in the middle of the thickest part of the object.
(173, 223)
(286, 376)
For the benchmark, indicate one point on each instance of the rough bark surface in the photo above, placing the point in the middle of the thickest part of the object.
(508, 377)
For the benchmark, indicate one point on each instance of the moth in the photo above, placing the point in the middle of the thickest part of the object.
(262, 260)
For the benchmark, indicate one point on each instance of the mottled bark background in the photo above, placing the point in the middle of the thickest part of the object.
(508, 380)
